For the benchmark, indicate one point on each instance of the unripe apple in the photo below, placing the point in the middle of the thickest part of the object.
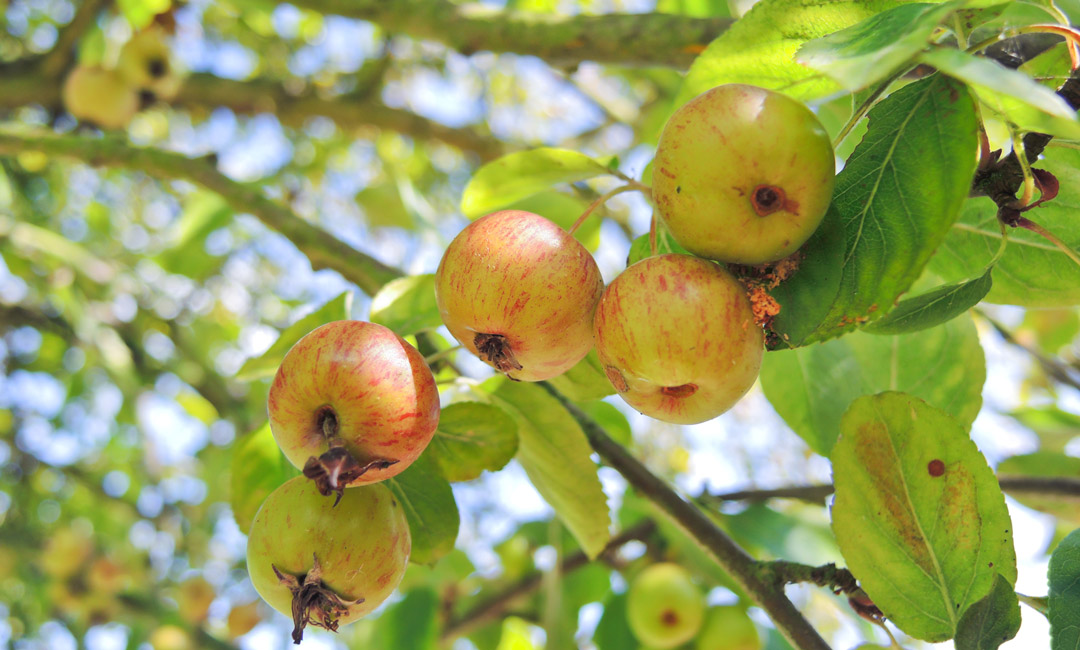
(519, 292)
(352, 403)
(335, 563)
(243, 619)
(728, 628)
(743, 174)
(677, 338)
(100, 97)
(664, 607)
(146, 63)
(193, 599)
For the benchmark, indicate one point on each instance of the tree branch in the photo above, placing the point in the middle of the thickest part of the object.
(496, 605)
(1056, 369)
(323, 249)
(62, 55)
(204, 91)
(1012, 484)
(754, 577)
(633, 39)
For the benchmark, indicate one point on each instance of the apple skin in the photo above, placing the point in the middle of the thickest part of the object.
(378, 388)
(743, 174)
(100, 97)
(146, 63)
(362, 545)
(728, 628)
(664, 607)
(677, 338)
(521, 277)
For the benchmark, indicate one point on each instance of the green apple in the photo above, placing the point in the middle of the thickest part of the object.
(743, 174)
(147, 64)
(336, 563)
(728, 628)
(100, 97)
(664, 607)
(519, 292)
(677, 338)
(352, 403)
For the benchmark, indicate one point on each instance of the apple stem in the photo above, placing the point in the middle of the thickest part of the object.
(630, 186)
(652, 234)
(312, 601)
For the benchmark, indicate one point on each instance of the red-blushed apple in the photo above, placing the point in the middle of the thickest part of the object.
(664, 607)
(519, 292)
(743, 174)
(352, 403)
(677, 338)
(327, 565)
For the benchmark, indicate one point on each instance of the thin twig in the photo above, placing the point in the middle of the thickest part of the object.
(753, 577)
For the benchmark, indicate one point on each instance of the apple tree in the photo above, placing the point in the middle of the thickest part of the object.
(600, 324)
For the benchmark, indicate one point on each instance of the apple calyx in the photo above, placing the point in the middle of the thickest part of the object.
(496, 350)
(336, 467)
(313, 602)
(767, 199)
(684, 390)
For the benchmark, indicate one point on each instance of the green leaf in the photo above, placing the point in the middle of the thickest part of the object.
(811, 387)
(519, 175)
(204, 212)
(611, 419)
(410, 623)
(555, 454)
(991, 621)
(430, 508)
(472, 437)
(640, 248)
(564, 210)
(267, 364)
(1018, 98)
(759, 48)
(1032, 272)
(934, 307)
(918, 515)
(870, 51)
(1064, 596)
(1046, 464)
(613, 630)
(585, 380)
(140, 13)
(383, 207)
(1055, 428)
(258, 467)
(407, 305)
(894, 202)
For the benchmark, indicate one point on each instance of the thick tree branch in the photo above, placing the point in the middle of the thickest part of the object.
(633, 39)
(323, 249)
(754, 577)
(203, 91)
(494, 607)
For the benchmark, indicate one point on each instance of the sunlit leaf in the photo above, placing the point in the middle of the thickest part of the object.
(918, 514)
(407, 305)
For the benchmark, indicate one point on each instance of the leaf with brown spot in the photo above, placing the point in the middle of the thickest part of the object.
(924, 547)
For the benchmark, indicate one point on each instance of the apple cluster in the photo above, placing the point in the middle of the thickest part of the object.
(742, 175)
(351, 404)
(109, 97)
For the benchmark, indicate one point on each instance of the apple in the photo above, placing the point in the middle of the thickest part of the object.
(677, 338)
(519, 292)
(664, 607)
(100, 97)
(193, 598)
(352, 403)
(327, 565)
(743, 174)
(147, 64)
(728, 628)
